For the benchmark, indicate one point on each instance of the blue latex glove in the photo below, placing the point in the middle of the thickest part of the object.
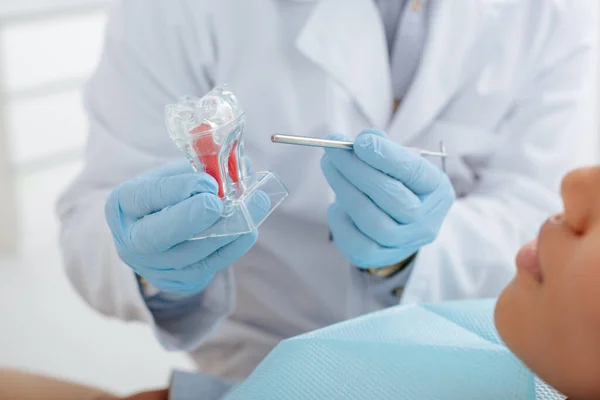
(153, 216)
(389, 201)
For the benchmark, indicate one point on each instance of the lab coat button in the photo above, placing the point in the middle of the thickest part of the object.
(398, 291)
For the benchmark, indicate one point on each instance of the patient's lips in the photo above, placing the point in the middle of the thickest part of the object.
(528, 260)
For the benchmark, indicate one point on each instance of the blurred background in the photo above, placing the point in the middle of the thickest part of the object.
(47, 50)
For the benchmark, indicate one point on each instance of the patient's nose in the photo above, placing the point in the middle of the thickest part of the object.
(581, 196)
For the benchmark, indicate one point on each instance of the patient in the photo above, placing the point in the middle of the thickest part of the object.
(549, 315)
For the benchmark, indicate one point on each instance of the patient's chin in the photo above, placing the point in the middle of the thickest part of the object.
(513, 320)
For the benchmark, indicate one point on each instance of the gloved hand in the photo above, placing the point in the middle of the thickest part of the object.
(153, 216)
(389, 201)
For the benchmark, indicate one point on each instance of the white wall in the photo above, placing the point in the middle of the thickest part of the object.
(8, 220)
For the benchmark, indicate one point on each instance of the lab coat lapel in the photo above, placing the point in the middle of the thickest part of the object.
(346, 39)
(460, 38)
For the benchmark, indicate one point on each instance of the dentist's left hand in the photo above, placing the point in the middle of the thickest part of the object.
(389, 201)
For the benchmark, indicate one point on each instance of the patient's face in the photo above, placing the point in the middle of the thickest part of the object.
(549, 315)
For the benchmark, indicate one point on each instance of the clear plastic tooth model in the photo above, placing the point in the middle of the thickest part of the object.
(209, 131)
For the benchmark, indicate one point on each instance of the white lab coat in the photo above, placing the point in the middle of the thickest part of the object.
(499, 83)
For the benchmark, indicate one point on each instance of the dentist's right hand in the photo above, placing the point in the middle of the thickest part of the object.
(152, 217)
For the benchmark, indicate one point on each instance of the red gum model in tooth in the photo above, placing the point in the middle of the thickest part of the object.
(208, 153)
